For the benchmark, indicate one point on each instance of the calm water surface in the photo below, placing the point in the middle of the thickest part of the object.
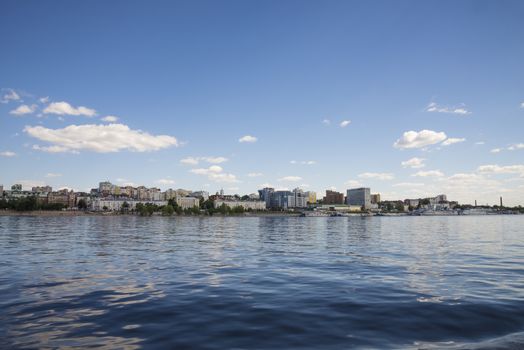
(264, 283)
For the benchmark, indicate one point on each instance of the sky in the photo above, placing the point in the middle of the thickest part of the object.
(409, 98)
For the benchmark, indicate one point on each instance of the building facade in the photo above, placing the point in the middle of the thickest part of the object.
(297, 199)
(333, 197)
(187, 202)
(359, 196)
(247, 205)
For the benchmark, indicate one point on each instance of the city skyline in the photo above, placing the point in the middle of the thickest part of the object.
(335, 97)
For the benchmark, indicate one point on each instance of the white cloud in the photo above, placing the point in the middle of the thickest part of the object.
(196, 160)
(7, 154)
(480, 143)
(522, 105)
(64, 108)
(43, 100)
(255, 174)
(516, 146)
(414, 163)
(429, 173)
(215, 173)
(247, 138)
(434, 107)
(189, 161)
(98, 138)
(54, 149)
(10, 96)
(419, 139)
(513, 147)
(304, 162)
(290, 178)
(378, 176)
(165, 182)
(326, 122)
(23, 109)
(452, 140)
(53, 175)
(345, 123)
(497, 169)
(110, 119)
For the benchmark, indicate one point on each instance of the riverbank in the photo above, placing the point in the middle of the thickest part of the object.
(53, 213)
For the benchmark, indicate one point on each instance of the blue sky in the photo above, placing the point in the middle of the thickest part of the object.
(188, 80)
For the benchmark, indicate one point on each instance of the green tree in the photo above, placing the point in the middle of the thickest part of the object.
(168, 210)
(82, 204)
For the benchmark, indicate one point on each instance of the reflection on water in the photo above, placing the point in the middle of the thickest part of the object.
(132, 282)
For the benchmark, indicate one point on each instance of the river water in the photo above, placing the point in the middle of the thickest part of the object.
(262, 282)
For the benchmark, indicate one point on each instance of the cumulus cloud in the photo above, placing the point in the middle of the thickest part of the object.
(303, 162)
(414, 163)
(513, 147)
(516, 146)
(255, 174)
(419, 139)
(522, 105)
(64, 108)
(345, 123)
(215, 173)
(378, 176)
(53, 175)
(110, 119)
(43, 100)
(326, 122)
(434, 107)
(248, 139)
(7, 154)
(11, 95)
(497, 169)
(196, 160)
(452, 140)
(290, 179)
(23, 109)
(480, 143)
(189, 161)
(429, 173)
(98, 138)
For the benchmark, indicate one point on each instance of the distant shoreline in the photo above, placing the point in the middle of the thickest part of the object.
(55, 213)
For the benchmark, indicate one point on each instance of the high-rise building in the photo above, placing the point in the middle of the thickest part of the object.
(279, 199)
(265, 195)
(333, 197)
(297, 199)
(359, 196)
